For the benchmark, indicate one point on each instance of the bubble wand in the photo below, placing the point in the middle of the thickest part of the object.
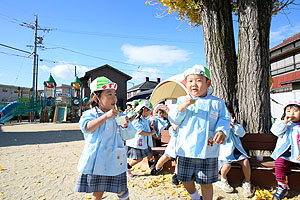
(116, 109)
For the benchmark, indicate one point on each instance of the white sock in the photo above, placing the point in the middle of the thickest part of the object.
(223, 179)
(195, 196)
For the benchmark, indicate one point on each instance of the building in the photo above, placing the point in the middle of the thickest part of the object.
(10, 93)
(285, 72)
(113, 74)
(143, 90)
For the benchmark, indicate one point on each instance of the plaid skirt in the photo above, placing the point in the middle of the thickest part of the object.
(203, 171)
(95, 183)
(135, 153)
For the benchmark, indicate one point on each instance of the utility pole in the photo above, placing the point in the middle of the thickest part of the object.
(34, 78)
(37, 43)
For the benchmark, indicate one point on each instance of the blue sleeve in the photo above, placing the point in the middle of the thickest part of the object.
(239, 130)
(279, 128)
(138, 126)
(223, 123)
(85, 118)
(174, 115)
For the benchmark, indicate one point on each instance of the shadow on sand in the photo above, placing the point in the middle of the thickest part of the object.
(39, 137)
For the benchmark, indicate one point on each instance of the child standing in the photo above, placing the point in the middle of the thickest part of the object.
(102, 165)
(287, 150)
(140, 146)
(202, 120)
(232, 151)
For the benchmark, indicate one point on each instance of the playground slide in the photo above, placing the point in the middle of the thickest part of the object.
(8, 111)
(6, 118)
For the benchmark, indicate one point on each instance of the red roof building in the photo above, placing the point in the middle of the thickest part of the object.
(285, 64)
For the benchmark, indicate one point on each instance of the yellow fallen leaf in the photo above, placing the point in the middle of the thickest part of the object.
(88, 197)
(4, 185)
(1, 167)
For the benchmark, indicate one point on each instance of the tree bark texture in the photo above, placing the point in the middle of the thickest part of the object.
(219, 48)
(253, 88)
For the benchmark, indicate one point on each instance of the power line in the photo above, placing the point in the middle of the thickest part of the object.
(126, 36)
(14, 48)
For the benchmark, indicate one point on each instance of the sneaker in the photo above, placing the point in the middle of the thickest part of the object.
(280, 192)
(175, 180)
(247, 190)
(128, 172)
(155, 171)
(224, 185)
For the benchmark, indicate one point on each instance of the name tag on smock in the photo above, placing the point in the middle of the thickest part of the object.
(213, 115)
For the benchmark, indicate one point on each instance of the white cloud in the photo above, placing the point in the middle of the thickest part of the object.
(152, 73)
(65, 71)
(282, 33)
(155, 54)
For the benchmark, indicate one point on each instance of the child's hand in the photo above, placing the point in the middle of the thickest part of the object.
(127, 122)
(287, 119)
(298, 158)
(186, 103)
(219, 137)
(112, 113)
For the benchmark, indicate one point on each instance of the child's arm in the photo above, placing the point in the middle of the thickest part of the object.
(96, 123)
(279, 128)
(178, 112)
(239, 130)
(186, 103)
(298, 158)
(143, 133)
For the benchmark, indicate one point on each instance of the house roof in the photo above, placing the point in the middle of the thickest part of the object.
(286, 42)
(144, 85)
(141, 95)
(107, 66)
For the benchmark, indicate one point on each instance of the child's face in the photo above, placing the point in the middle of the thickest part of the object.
(108, 99)
(146, 112)
(293, 112)
(197, 85)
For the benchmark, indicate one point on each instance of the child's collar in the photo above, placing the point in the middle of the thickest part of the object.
(98, 110)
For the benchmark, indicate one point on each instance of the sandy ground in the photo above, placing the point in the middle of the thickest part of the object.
(39, 162)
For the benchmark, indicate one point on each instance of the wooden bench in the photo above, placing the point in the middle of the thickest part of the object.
(262, 172)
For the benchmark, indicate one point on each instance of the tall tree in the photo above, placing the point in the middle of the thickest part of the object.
(254, 64)
(220, 51)
(249, 78)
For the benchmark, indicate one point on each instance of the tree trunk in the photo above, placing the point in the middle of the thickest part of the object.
(219, 48)
(253, 89)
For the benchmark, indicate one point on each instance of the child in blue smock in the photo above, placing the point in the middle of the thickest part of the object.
(141, 145)
(103, 162)
(203, 123)
(232, 151)
(287, 150)
(169, 154)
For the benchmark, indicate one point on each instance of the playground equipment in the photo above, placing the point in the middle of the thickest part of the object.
(49, 100)
(20, 107)
(76, 103)
(62, 107)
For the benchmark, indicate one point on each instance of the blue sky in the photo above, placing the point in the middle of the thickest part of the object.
(127, 35)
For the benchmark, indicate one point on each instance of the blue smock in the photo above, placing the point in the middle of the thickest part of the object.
(288, 137)
(197, 128)
(104, 152)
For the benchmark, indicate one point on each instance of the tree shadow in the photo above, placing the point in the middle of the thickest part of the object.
(39, 137)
